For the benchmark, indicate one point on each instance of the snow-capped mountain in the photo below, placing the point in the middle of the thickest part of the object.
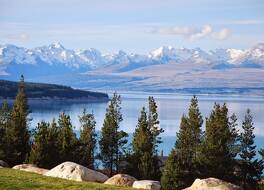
(163, 66)
(90, 59)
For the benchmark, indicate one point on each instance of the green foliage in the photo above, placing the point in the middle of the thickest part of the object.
(173, 176)
(5, 119)
(180, 169)
(143, 159)
(112, 139)
(251, 169)
(217, 158)
(67, 138)
(17, 133)
(87, 141)
(153, 122)
(45, 147)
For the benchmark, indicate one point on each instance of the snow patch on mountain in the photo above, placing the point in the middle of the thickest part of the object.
(57, 55)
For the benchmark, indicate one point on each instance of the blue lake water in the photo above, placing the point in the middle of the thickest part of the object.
(170, 108)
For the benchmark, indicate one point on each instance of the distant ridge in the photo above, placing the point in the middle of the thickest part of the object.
(159, 70)
(42, 91)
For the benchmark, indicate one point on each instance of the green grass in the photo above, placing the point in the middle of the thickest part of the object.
(11, 179)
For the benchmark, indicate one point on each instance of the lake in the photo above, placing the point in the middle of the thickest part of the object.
(170, 109)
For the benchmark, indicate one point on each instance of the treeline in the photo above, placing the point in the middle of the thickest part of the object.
(8, 90)
(221, 151)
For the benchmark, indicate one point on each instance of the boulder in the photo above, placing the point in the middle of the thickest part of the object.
(147, 184)
(121, 180)
(212, 184)
(30, 168)
(3, 164)
(76, 172)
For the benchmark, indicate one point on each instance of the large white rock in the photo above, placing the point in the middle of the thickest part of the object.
(3, 164)
(147, 184)
(30, 168)
(212, 184)
(73, 171)
(121, 180)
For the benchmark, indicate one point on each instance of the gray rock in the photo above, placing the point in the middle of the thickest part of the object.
(147, 184)
(121, 180)
(212, 184)
(76, 172)
(30, 168)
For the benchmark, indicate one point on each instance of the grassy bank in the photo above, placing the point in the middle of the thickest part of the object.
(11, 179)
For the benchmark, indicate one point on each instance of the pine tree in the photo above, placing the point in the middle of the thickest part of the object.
(216, 158)
(144, 162)
(251, 169)
(153, 122)
(180, 168)
(112, 140)
(156, 130)
(45, 147)
(195, 122)
(67, 138)
(173, 176)
(18, 134)
(234, 139)
(142, 159)
(87, 141)
(5, 118)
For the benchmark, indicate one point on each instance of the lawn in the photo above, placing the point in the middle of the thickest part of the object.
(11, 179)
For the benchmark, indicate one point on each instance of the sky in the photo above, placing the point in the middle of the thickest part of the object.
(137, 26)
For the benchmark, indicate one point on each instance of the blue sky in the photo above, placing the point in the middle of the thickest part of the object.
(134, 26)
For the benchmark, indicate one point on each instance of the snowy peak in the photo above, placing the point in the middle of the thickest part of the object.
(162, 51)
(57, 55)
(56, 45)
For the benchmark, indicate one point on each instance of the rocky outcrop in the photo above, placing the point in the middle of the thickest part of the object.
(147, 184)
(212, 184)
(3, 164)
(73, 171)
(30, 168)
(121, 180)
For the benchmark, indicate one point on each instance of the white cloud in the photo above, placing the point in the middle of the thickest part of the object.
(193, 34)
(205, 31)
(222, 34)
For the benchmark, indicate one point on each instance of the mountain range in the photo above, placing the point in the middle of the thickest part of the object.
(164, 69)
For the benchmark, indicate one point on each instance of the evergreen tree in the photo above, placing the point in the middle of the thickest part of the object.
(45, 149)
(87, 141)
(142, 159)
(251, 169)
(173, 176)
(67, 138)
(180, 168)
(5, 118)
(144, 162)
(112, 140)
(234, 145)
(18, 135)
(195, 122)
(216, 158)
(153, 122)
